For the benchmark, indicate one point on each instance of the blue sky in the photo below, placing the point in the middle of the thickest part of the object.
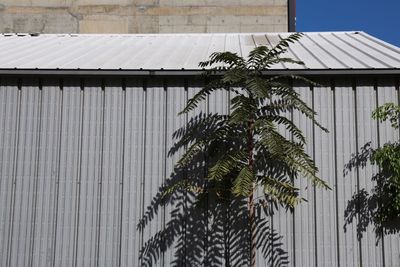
(380, 18)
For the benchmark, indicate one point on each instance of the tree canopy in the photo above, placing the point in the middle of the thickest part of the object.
(248, 157)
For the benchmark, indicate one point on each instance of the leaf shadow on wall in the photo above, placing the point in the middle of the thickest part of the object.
(205, 225)
(367, 208)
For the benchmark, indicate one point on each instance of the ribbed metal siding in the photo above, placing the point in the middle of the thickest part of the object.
(319, 51)
(82, 159)
(389, 92)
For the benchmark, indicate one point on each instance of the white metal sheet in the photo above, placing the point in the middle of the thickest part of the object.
(79, 166)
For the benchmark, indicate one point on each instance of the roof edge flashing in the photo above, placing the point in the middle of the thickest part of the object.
(177, 73)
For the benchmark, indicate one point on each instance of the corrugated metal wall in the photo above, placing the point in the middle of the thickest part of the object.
(82, 159)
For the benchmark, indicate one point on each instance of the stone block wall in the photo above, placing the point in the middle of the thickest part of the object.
(143, 16)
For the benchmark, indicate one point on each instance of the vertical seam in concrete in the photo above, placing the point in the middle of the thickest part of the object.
(77, 18)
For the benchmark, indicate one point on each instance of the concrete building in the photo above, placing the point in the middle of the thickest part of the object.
(146, 16)
(86, 123)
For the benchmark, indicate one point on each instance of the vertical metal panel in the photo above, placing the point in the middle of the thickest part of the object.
(367, 132)
(90, 174)
(388, 92)
(203, 250)
(9, 118)
(326, 227)
(111, 187)
(133, 172)
(217, 104)
(304, 214)
(25, 175)
(282, 221)
(346, 145)
(45, 197)
(79, 166)
(68, 173)
(154, 152)
(176, 96)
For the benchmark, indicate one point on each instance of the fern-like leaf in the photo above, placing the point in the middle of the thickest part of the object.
(281, 191)
(243, 185)
(227, 164)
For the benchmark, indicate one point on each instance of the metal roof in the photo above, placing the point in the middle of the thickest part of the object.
(320, 51)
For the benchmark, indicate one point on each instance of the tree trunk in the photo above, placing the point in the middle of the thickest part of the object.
(250, 203)
(253, 244)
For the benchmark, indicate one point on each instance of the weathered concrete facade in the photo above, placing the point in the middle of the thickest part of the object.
(143, 16)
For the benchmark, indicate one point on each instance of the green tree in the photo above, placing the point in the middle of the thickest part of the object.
(381, 206)
(245, 155)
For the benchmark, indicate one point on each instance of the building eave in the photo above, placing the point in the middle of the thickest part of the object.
(178, 73)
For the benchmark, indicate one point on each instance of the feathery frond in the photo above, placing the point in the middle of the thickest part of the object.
(229, 157)
(243, 185)
(227, 164)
